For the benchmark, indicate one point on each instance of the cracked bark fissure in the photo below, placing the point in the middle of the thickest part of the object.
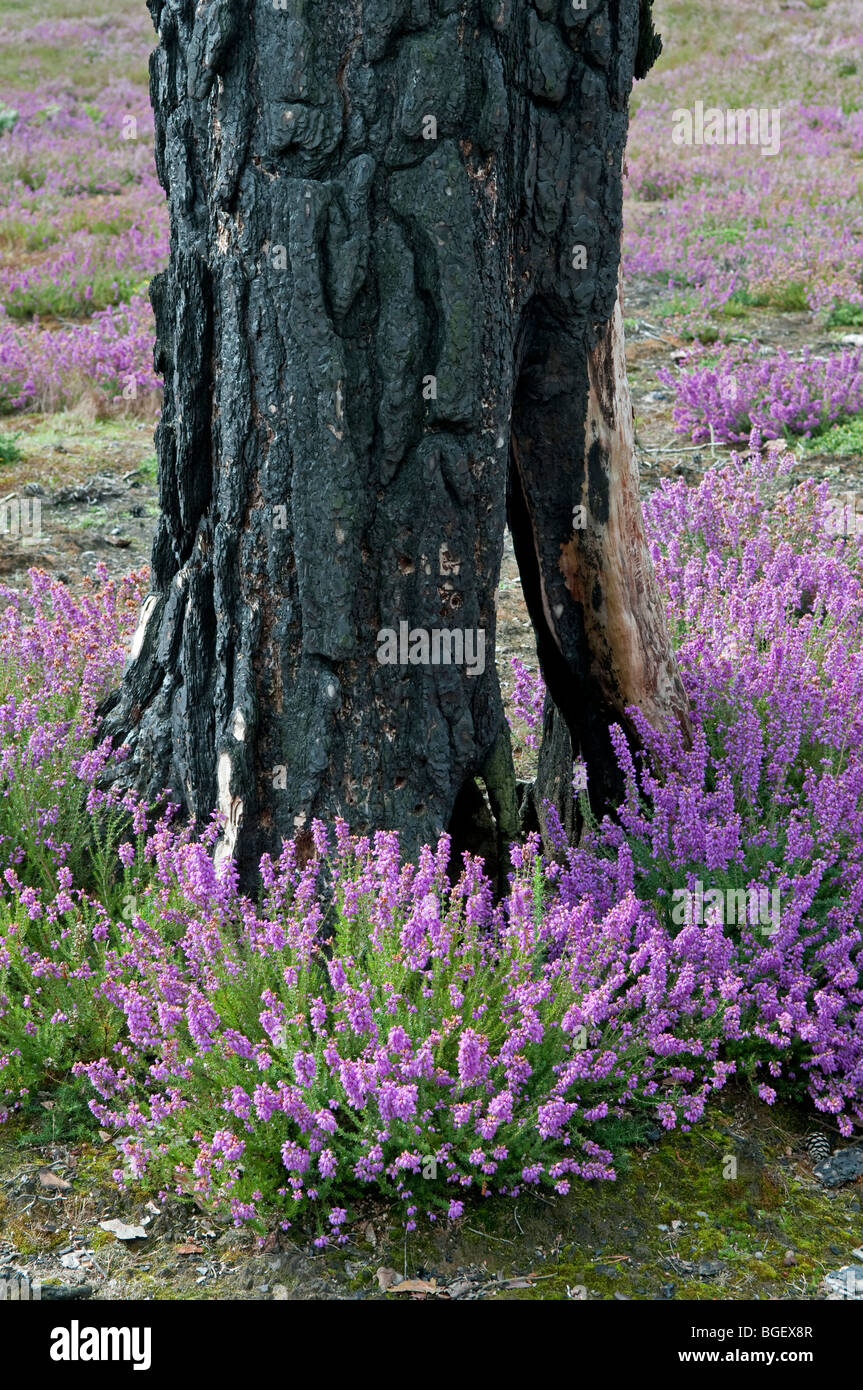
(376, 336)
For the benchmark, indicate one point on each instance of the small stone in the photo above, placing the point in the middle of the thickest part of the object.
(122, 1231)
(459, 1288)
(51, 1292)
(843, 1166)
(789, 1259)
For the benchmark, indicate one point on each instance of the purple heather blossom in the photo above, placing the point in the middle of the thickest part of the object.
(304, 1068)
(473, 1058)
(295, 1158)
(777, 395)
(528, 699)
(327, 1163)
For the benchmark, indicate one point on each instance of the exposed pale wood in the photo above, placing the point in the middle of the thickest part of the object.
(607, 566)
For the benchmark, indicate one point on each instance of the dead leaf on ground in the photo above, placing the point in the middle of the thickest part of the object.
(415, 1286)
(52, 1180)
(189, 1249)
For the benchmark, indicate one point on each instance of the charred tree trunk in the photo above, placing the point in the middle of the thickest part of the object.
(389, 314)
(596, 609)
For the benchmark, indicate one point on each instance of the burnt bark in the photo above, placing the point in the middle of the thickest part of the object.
(389, 318)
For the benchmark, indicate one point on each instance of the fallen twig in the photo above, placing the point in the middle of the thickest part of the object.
(485, 1236)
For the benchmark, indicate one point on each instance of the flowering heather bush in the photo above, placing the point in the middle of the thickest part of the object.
(725, 227)
(116, 37)
(768, 612)
(438, 1046)
(732, 227)
(82, 277)
(53, 1011)
(66, 145)
(58, 656)
(111, 352)
(369, 1027)
(777, 395)
(528, 698)
(83, 227)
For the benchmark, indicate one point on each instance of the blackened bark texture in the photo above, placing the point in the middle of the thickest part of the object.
(395, 232)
